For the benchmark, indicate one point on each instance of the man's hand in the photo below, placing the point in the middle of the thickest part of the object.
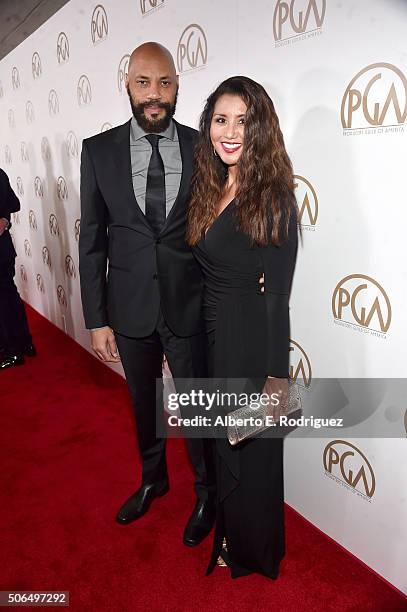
(104, 344)
(3, 225)
(279, 386)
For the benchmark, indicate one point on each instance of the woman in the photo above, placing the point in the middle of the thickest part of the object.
(243, 224)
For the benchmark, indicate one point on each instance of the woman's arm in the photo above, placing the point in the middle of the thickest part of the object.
(278, 265)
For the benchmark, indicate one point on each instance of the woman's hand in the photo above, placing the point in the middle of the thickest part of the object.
(278, 388)
(261, 282)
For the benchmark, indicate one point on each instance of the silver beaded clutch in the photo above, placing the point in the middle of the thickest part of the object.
(248, 421)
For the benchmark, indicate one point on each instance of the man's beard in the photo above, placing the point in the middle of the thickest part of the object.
(156, 126)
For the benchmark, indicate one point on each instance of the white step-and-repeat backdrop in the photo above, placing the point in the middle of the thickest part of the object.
(337, 72)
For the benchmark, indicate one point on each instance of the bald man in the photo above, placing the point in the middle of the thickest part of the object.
(135, 182)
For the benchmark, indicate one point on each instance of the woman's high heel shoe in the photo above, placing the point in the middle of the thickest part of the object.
(221, 562)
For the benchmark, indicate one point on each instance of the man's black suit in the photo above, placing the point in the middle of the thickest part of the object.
(15, 336)
(143, 269)
(9, 203)
(151, 295)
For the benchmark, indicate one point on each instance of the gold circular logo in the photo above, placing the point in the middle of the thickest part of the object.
(122, 72)
(70, 267)
(290, 21)
(53, 225)
(27, 248)
(147, 6)
(361, 300)
(192, 49)
(53, 103)
(62, 48)
(62, 188)
(38, 187)
(72, 147)
(61, 296)
(307, 201)
(46, 256)
(376, 96)
(15, 78)
(84, 91)
(99, 27)
(300, 366)
(347, 462)
(32, 221)
(36, 68)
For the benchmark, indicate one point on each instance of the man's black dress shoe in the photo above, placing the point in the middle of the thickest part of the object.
(139, 503)
(11, 361)
(200, 522)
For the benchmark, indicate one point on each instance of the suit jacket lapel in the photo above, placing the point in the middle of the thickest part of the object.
(121, 152)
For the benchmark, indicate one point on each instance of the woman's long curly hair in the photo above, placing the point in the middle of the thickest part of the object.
(265, 183)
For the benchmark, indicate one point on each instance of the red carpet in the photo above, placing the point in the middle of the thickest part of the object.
(69, 460)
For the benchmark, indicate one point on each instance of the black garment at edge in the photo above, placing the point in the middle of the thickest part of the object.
(248, 338)
(9, 203)
(15, 335)
(152, 295)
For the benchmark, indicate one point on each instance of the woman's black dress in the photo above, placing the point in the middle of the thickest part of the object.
(248, 337)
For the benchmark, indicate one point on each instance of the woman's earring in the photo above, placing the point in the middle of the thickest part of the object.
(214, 152)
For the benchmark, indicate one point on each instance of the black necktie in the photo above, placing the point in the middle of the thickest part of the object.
(155, 190)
